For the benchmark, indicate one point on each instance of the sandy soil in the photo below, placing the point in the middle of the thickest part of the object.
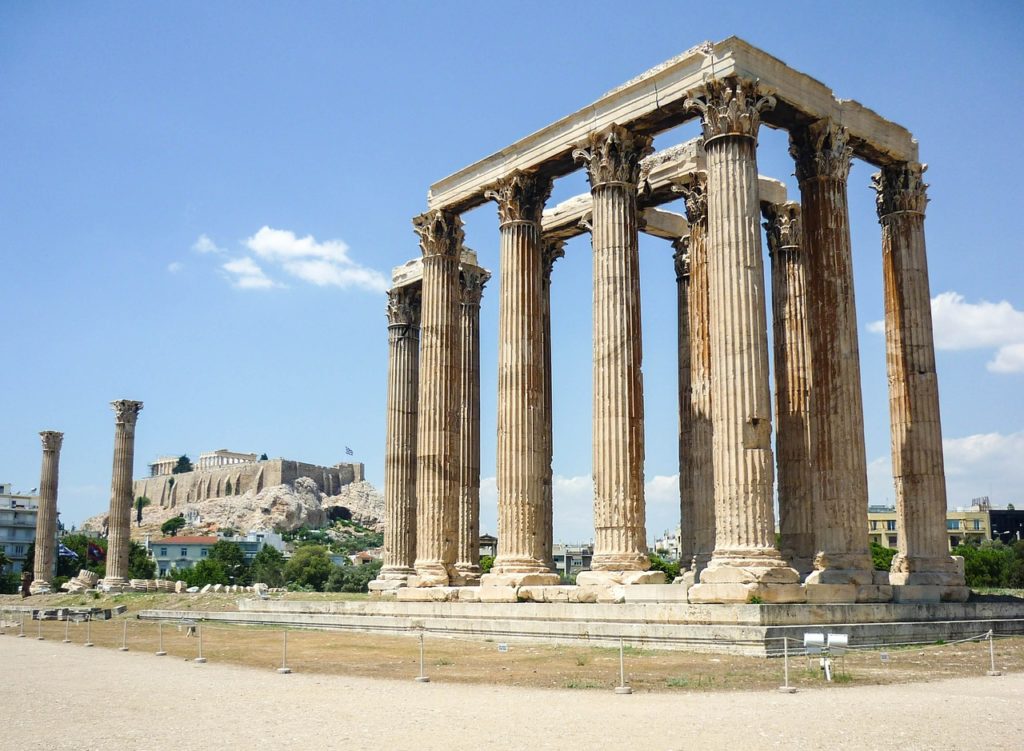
(104, 699)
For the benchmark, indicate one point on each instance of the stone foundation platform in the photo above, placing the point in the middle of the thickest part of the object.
(737, 629)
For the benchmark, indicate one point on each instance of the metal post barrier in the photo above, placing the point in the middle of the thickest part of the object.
(39, 627)
(284, 669)
(785, 688)
(88, 630)
(200, 658)
(124, 636)
(992, 657)
(622, 688)
(422, 677)
(21, 633)
(160, 636)
(67, 627)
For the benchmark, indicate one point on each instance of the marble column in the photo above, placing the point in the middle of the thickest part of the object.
(520, 462)
(745, 563)
(792, 385)
(681, 261)
(612, 157)
(403, 313)
(467, 559)
(46, 519)
(922, 564)
(822, 156)
(701, 464)
(551, 251)
(437, 435)
(119, 518)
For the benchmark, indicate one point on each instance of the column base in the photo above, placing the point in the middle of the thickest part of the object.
(605, 578)
(39, 587)
(431, 574)
(847, 593)
(620, 562)
(929, 593)
(112, 584)
(747, 576)
(541, 578)
(468, 575)
(944, 571)
(749, 592)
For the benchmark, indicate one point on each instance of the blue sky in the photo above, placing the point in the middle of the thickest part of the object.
(200, 205)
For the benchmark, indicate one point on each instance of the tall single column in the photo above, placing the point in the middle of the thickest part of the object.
(745, 562)
(822, 157)
(612, 157)
(792, 385)
(467, 559)
(520, 462)
(119, 518)
(701, 464)
(681, 261)
(923, 564)
(403, 313)
(46, 518)
(552, 249)
(437, 440)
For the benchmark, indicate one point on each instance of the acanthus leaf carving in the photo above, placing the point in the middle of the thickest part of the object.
(520, 196)
(126, 411)
(613, 155)
(551, 250)
(821, 149)
(695, 196)
(900, 188)
(681, 258)
(404, 306)
(730, 107)
(472, 282)
(782, 225)
(52, 440)
(440, 233)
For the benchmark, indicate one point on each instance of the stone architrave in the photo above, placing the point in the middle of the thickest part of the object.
(437, 441)
(701, 464)
(922, 560)
(119, 518)
(792, 385)
(745, 562)
(822, 155)
(552, 250)
(612, 157)
(467, 558)
(46, 519)
(681, 261)
(403, 311)
(521, 446)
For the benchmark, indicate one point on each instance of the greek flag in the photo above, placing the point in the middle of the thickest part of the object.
(63, 551)
(349, 451)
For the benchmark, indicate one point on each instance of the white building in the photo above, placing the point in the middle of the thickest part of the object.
(17, 524)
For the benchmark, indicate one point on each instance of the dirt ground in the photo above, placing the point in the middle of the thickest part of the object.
(104, 699)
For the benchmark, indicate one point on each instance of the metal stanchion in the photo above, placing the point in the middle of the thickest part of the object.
(88, 631)
(124, 637)
(39, 627)
(284, 669)
(992, 657)
(422, 677)
(200, 658)
(622, 688)
(67, 627)
(160, 635)
(21, 633)
(785, 688)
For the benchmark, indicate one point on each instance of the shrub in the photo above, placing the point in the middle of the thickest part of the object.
(881, 557)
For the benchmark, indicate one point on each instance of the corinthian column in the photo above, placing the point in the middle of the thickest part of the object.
(552, 250)
(437, 441)
(403, 313)
(822, 158)
(520, 463)
(119, 519)
(467, 559)
(923, 558)
(792, 384)
(612, 157)
(745, 562)
(46, 518)
(700, 464)
(681, 260)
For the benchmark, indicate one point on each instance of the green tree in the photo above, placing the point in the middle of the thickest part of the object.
(268, 567)
(264, 457)
(227, 488)
(140, 503)
(987, 565)
(231, 556)
(486, 561)
(79, 544)
(172, 525)
(184, 465)
(205, 572)
(30, 559)
(4, 560)
(881, 557)
(671, 568)
(140, 565)
(352, 578)
(310, 566)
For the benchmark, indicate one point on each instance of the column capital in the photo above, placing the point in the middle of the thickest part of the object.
(404, 306)
(900, 188)
(520, 196)
(730, 107)
(821, 149)
(52, 440)
(472, 283)
(782, 225)
(551, 250)
(613, 155)
(126, 411)
(681, 257)
(440, 233)
(695, 196)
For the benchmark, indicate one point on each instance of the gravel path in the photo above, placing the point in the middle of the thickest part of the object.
(61, 696)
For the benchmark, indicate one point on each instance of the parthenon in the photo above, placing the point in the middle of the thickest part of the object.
(729, 455)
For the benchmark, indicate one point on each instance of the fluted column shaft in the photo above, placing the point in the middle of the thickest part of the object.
(681, 259)
(822, 158)
(553, 249)
(521, 431)
(467, 559)
(400, 448)
(46, 517)
(792, 385)
(437, 441)
(917, 460)
(612, 157)
(119, 519)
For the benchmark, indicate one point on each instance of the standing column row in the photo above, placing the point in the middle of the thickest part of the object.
(119, 517)
(46, 518)
(681, 261)
(552, 250)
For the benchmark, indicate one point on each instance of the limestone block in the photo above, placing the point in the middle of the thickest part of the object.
(519, 580)
(916, 593)
(558, 593)
(386, 585)
(469, 594)
(955, 594)
(428, 594)
(710, 592)
(498, 594)
(87, 577)
(780, 593)
(749, 574)
(218, 587)
(180, 586)
(206, 589)
(840, 576)
(613, 594)
(260, 588)
(39, 588)
(824, 593)
(583, 594)
(657, 593)
(873, 593)
(880, 577)
(607, 578)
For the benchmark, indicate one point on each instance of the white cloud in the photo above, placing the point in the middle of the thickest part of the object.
(244, 273)
(961, 325)
(175, 266)
(321, 263)
(204, 244)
